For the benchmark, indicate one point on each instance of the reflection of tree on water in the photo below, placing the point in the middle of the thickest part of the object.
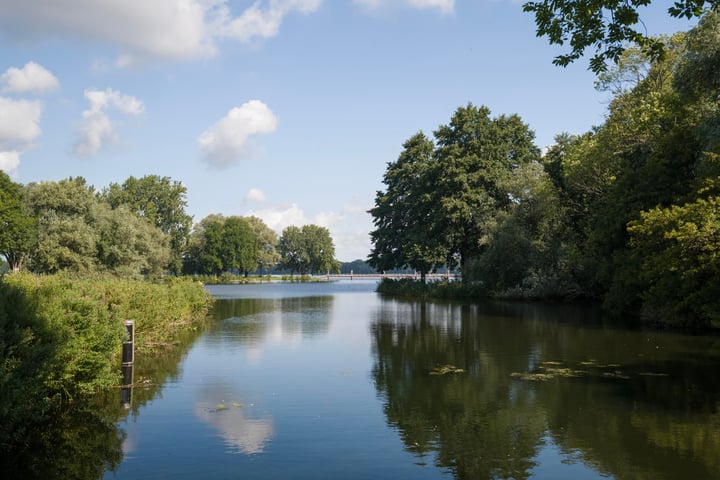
(83, 440)
(471, 421)
(638, 409)
(241, 433)
(249, 321)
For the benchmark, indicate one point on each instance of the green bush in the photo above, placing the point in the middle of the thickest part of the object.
(61, 339)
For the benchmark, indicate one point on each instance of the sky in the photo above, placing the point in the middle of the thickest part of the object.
(289, 110)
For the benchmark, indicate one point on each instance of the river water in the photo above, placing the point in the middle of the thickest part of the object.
(333, 381)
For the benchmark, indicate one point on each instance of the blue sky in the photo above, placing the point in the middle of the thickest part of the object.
(288, 110)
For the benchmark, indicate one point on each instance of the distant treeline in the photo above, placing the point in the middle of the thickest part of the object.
(140, 229)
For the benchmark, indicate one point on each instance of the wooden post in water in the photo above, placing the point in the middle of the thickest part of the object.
(128, 358)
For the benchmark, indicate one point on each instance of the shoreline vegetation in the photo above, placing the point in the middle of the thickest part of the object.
(61, 339)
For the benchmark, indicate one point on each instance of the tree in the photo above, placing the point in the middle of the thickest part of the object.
(18, 229)
(309, 249)
(677, 250)
(67, 239)
(526, 252)
(293, 255)
(78, 231)
(401, 214)
(474, 157)
(606, 25)
(239, 248)
(161, 201)
(266, 243)
(320, 249)
(127, 244)
(211, 256)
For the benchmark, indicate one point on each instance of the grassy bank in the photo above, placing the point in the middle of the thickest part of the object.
(61, 336)
(445, 290)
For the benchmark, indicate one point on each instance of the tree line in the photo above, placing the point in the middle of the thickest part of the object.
(626, 214)
(141, 228)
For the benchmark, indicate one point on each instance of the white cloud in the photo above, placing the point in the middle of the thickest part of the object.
(349, 228)
(226, 142)
(19, 126)
(31, 78)
(9, 162)
(159, 29)
(97, 130)
(445, 6)
(261, 22)
(277, 218)
(255, 195)
(19, 121)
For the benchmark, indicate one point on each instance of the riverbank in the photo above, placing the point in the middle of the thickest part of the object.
(61, 337)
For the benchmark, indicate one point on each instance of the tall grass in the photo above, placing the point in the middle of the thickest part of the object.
(67, 331)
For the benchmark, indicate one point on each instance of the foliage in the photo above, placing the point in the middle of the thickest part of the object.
(240, 249)
(162, 202)
(60, 342)
(606, 25)
(17, 225)
(624, 214)
(401, 237)
(128, 244)
(309, 249)
(442, 200)
(678, 251)
(358, 266)
(219, 244)
(79, 232)
(475, 155)
(266, 241)
(527, 251)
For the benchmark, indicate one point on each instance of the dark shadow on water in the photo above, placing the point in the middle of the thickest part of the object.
(621, 403)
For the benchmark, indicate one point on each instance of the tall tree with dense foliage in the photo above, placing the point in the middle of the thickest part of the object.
(160, 200)
(266, 241)
(128, 244)
(239, 245)
(474, 157)
(78, 231)
(608, 26)
(309, 249)
(67, 239)
(17, 225)
(401, 213)
(320, 249)
(293, 255)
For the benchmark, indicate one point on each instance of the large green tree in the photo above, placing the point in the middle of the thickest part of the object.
(67, 239)
(128, 244)
(293, 255)
(608, 26)
(474, 158)
(401, 213)
(78, 231)
(160, 200)
(320, 249)
(17, 224)
(266, 241)
(309, 249)
(239, 245)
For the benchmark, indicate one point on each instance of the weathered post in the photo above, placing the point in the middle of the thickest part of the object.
(128, 358)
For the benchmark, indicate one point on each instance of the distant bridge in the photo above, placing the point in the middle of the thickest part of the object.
(394, 276)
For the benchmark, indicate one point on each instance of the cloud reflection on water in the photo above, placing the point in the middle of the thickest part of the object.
(241, 433)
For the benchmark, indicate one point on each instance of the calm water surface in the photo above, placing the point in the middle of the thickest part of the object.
(332, 381)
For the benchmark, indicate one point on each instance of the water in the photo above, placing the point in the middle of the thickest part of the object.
(327, 381)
